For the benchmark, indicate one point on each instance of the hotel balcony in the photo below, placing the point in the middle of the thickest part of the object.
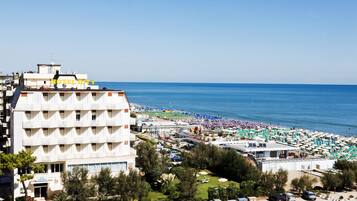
(72, 138)
(31, 124)
(55, 156)
(54, 106)
(53, 123)
(115, 122)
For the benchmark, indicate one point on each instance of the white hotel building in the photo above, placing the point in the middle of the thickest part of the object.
(67, 124)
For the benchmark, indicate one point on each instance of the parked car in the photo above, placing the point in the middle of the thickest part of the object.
(288, 197)
(277, 197)
(242, 199)
(308, 195)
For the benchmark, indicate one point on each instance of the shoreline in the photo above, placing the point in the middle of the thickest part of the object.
(193, 114)
(315, 143)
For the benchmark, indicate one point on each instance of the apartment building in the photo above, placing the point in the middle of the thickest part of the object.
(8, 84)
(67, 123)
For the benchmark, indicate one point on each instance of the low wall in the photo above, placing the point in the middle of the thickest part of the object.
(295, 164)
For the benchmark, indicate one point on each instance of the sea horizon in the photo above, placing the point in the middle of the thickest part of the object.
(325, 108)
(243, 83)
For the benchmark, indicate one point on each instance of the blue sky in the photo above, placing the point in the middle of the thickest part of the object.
(300, 41)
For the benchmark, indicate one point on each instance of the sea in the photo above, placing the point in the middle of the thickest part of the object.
(327, 108)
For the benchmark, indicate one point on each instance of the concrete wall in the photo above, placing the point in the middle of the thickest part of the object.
(296, 164)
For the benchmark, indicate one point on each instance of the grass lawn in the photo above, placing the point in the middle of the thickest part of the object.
(168, 115)
(201, 187)
(212, 182)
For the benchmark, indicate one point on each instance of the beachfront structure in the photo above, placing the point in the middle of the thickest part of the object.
(296, 164)
(272, 156)
(261, 150)
(68, 124)
(160, 126)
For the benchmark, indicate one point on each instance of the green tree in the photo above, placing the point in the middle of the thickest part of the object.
(247, 188)
(25, 164)
(305, 182)
(280, 179)
(235, 167)
(338, 181)
(150, 163)
(121, 188)
(187, 186)
(232, 191)
(222, 194)
(61, 196)
(347, 177)
(225, 163)
(331, 181)
(104, 181)
(202, 156)
(130, 187)
(345, 165)
(138, 188)
(213, 193)
(77, 185)
(266, 183)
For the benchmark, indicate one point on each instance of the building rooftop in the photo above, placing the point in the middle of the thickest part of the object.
(269, 146)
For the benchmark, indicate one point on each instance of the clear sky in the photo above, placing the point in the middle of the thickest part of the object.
(260, 41)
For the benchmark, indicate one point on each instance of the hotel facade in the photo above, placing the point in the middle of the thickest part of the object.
(66, 123)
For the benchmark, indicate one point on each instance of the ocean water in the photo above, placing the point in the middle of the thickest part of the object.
(329, 108)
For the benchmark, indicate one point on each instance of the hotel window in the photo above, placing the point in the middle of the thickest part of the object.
(61, 146)
(94, 115)
(94, 96)
(58, 167)
(45, 96)
(78, 95)
(78, 115)
(45, 149)
(273, 154)
(45, 131)
(62, 96)
(28, 148)
(94, 147)
(45, 168)
(45, 114)
(78, 147)
(78, 130)
(94, 130)
(28, 114)
(28, 132)
(110, 146)
(62, 131)
(62, 114)
(110, 129)
(110, 113)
